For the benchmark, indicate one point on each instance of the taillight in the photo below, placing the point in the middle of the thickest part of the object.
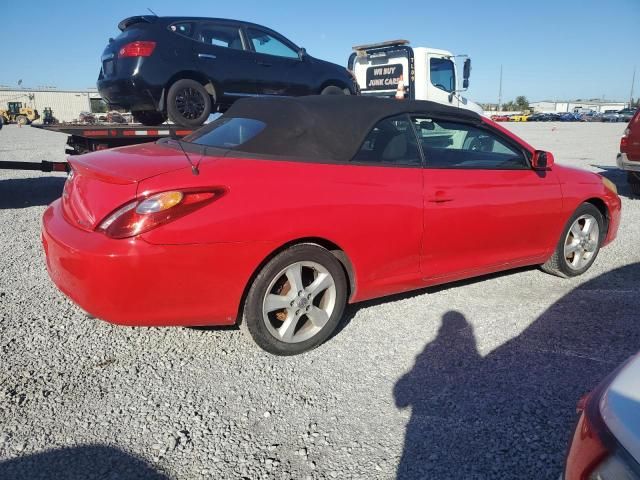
(143, 215)
(137, 49)
(624, 141)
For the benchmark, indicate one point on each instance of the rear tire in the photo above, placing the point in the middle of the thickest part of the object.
(579, 243)
(188, 103)
(149, 118)
(22, 120)
(296, 301)
(332, 90)
(634, 182)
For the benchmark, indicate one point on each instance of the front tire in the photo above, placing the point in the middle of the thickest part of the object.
(22, 120)
(149, 118)
(296, 301)
(188, 103)
(579, 244)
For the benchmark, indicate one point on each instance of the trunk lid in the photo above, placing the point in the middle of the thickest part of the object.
(104, 181)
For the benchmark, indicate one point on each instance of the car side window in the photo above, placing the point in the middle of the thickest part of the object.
(447, 144)
(220, 36)
(264, 42)
(391, 142)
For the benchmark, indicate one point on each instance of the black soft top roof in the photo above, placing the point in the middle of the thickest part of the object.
(325, 127)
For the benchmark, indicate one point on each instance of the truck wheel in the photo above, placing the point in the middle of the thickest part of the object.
(22, 120)
(188, 103)
(149, 118)
(634, 182)
(332, 90)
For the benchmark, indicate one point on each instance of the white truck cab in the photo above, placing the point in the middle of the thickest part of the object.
(427, 73)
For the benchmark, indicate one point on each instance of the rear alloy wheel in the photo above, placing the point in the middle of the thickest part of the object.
(188, 103)
(634, 182)
(149, 118)
(296, 301)
(579, 244)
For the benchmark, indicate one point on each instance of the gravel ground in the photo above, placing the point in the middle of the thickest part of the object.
(477, 379)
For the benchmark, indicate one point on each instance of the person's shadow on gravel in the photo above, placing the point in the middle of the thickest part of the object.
(79, 463)
(30, 192)
(510, 413)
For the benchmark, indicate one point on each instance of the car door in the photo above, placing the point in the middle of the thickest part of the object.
(220, 53)
(485, 207)
(280, 68)
(385, 185)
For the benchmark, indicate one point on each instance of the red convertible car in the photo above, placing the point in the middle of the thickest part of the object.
(278, 213)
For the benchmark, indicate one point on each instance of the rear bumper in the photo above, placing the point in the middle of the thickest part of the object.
(133, 282)
(625, 164)
(131, 93)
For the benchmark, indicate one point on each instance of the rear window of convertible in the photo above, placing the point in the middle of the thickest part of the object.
(226, 132)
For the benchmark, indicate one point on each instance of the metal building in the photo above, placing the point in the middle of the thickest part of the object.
(66, 104)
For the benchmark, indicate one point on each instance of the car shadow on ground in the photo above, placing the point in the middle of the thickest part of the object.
(619, 177)
(510, 413)
(79, 463)
(30, 192)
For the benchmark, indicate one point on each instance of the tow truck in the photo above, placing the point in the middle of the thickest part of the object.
(381, 69)
(90, 138)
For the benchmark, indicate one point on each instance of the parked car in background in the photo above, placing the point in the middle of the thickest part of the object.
(626, 114)
(186, 68)
(610, 116)
(536, 117)
(520, 117)
(500, 118)
(252, 218)
(606, 441)
(629, 157)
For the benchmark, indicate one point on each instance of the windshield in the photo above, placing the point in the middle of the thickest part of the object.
(442, 74)
(226, 132)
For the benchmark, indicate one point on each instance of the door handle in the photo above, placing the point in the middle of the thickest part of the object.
(264, 64)
(440, 197)
(206, 55)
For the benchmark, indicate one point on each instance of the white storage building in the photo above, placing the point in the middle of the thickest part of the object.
(66, 104)
(577, 106)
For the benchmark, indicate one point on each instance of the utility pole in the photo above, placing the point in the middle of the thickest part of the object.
(500, 90)
(633, 80)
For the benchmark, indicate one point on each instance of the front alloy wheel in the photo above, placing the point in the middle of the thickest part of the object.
(579, 244)
(296, 301)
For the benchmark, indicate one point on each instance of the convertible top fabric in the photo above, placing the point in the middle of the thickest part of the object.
(325, 127)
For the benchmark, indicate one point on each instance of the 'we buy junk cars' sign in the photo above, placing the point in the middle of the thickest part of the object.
(384, 77)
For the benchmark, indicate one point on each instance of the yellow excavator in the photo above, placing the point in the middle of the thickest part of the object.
(16, 113)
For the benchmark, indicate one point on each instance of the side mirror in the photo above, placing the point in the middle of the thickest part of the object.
(465, 83)
(302, 53)
(542, 160)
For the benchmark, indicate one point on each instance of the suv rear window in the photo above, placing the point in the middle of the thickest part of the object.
(226, 132)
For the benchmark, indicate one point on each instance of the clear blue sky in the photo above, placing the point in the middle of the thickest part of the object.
(556, 49)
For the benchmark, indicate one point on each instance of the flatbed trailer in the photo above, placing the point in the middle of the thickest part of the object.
(83, 138)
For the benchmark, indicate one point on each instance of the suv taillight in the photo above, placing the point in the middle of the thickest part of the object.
(624, 141)
(137, 49)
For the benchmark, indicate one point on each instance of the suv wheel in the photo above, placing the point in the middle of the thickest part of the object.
(149, 118)
(332, 90)
(188, 103)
